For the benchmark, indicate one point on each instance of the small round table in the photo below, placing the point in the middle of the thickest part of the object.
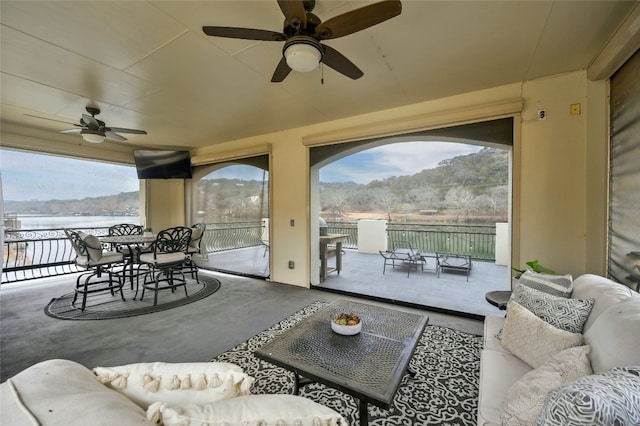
(498, 298)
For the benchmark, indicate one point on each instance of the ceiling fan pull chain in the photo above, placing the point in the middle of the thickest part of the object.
(322, 73)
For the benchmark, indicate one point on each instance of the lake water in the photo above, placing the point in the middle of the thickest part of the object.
(57, 222)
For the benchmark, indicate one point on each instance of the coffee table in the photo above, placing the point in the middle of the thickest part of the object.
(369, 366)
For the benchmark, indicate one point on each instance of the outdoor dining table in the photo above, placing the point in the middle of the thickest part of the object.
(133, 244)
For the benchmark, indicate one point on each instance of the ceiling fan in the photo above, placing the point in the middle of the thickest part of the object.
(94, 130)
(303, 31)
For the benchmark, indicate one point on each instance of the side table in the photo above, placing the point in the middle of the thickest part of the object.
(498, 298)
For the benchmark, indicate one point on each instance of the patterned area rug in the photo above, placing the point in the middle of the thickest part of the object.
(443, 392)
(103, 305)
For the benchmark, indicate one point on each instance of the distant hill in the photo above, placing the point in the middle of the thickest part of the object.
(123, 204)
(464, 185)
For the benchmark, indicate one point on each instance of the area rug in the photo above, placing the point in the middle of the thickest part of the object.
(103, 305)
(444, 390)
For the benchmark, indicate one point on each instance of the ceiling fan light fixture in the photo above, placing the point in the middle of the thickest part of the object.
(92, 136)
(303, 55)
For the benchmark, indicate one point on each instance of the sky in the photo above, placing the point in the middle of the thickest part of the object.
(27, 176)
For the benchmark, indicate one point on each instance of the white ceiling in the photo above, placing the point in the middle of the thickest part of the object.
(148, 65)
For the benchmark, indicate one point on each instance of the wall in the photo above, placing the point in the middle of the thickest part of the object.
(562, 210)
(164, 205)
(554, 195)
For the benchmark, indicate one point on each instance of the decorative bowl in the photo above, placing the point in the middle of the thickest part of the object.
(345, 330)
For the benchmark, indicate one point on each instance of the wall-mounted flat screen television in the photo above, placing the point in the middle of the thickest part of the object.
(157, 164)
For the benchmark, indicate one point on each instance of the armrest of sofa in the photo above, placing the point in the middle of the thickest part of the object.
(63, 392)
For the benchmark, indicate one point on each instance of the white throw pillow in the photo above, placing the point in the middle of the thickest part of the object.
(525, 398)
(533, 340)
(252, 410)
(178, 384)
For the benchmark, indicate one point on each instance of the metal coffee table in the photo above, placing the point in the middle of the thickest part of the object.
(369, 366)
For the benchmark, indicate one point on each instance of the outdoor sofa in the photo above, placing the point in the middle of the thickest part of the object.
(582, 370)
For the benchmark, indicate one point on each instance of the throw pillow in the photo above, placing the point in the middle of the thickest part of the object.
(252, 410)
(94, 247)
(561, 312)
(533, 340)
(196, 382)
(608, 398)
(558, 285)
(525, 398)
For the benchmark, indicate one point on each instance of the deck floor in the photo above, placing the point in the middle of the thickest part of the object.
(362, 275)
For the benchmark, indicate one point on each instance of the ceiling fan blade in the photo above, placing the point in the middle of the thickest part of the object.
(123, 130)
(336, 60)
(281, 72)
(53, 119)
(294, 13)
(71, 131)
(244, 33)
(91, 121)
(358, 19)
(110, 134)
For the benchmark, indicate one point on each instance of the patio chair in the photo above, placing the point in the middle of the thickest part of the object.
(90, 256)
(454, 262)
(195, 248)
(131, 253)
(166, 262)
(402, 255)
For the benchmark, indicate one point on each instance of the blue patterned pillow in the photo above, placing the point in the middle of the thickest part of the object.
(608, 398)
(558, 285)
(561, 312)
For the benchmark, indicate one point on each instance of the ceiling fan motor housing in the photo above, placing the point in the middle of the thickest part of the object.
(303, 53)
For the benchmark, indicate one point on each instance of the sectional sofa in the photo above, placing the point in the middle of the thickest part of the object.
(567, 352)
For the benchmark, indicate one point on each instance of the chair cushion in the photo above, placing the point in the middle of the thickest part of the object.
(161, 259)
(176, 383)
(252, 410)
(533, 340)
(107, 258)
(196, 233)
(94, 247)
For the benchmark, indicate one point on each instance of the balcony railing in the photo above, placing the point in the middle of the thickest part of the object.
(39, 253)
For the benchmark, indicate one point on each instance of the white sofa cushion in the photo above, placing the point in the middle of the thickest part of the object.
(605, 292)
(565, 313)
(525, 398)
(492, 328)
(558, 285)
(176, 383)
(252, 410)
(615, 336)
(498, 371)
(532, 339)
(63, 392)
(608, 398)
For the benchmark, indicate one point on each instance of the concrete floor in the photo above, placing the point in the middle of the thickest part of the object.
(362, 276)
(195, 332)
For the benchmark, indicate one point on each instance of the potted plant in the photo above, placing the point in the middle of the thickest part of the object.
(147, 232)
(535, 266)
